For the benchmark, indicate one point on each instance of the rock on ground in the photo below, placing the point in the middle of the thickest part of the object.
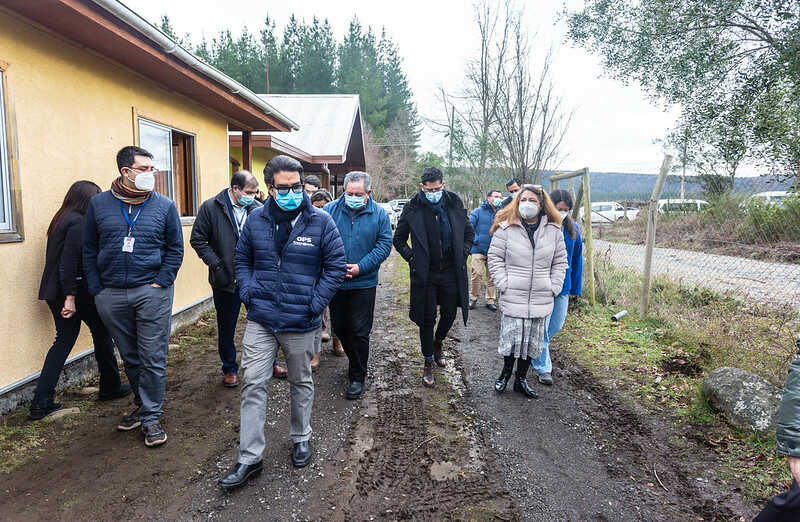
(747, 400)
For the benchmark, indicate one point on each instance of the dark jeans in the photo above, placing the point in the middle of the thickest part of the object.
(67, 331)
(351, 315)
(442, 291)
(228, 306)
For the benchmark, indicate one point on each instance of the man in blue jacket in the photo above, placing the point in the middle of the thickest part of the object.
(289, 262)
(481, 219)
(367, 236)
(132, 250)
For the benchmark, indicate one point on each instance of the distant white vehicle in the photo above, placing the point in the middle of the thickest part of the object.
(609, 212)
(389, 210)
(682, 206)
(397, 207)
(773, 197)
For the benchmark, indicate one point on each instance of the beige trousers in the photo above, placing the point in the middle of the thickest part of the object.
(479, 268)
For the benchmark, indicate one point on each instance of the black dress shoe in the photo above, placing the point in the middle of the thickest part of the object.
(521, 385)
(492, 307)
(355, 390)
(301, 454)
(40, 413)
(472, 303)
(239, 475)
(123, 391)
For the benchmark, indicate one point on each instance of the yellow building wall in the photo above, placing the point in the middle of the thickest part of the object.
(261, 157)
(74, 111)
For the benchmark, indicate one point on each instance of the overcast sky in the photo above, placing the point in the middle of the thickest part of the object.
(614, 127)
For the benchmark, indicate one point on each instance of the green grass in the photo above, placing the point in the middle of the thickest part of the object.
(660, 361)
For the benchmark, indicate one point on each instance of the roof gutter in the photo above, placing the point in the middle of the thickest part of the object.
(168, 45)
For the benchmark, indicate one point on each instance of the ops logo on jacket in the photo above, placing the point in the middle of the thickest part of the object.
(303, 241)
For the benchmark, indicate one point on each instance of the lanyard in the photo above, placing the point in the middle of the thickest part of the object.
(239, 222)
(131, 222)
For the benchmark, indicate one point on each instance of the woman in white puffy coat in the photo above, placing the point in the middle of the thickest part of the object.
(527, 261)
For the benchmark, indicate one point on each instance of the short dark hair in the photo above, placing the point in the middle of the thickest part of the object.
(430, 174)
(321, 195)
(281, 164)
(313, 180)
(127, 156)
(243, 178)
(512, 181)
(489, 194)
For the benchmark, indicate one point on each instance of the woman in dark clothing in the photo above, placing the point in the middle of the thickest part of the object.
(64, 289)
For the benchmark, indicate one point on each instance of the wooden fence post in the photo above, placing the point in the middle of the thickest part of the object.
(587, 233)
(652, 214)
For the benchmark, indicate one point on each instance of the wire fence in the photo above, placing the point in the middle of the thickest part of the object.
(742, 243)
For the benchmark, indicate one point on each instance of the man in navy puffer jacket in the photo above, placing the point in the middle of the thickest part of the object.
(481, 219)
(132, 250)
(289, 262)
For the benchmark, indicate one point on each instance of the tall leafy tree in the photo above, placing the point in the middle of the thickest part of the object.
(697, 53)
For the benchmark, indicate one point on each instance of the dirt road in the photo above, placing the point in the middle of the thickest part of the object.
(767, 282)
(458, 452)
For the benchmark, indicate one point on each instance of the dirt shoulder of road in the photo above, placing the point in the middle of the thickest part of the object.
(659, 372)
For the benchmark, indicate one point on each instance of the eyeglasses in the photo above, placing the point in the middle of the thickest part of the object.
(297, 188)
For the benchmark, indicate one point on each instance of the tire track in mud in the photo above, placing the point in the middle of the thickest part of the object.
(413, 453)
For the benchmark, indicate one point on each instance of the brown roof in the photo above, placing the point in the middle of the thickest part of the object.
(91, 26)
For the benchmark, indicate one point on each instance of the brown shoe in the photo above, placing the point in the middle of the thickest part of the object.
(438, 354)
(338, 351)
(315, 362)
(231, 380)
(427, 373)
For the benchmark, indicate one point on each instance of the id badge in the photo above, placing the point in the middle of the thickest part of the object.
(127, 244)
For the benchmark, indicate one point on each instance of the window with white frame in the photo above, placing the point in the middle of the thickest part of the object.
(174, 157)
(6, 219)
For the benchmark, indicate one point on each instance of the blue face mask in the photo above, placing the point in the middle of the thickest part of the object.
(246, 201)
(498, 202)
(354, 202)
(434, 197)
(289, 201)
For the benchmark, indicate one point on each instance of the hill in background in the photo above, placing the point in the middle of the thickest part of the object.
(610, 186)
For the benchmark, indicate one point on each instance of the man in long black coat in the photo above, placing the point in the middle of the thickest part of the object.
(441, 238)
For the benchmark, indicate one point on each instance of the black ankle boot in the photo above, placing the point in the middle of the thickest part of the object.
(520, 384)
(502, 382)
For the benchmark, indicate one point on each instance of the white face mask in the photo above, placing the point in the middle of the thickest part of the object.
(528, 210)
(145, 181)
(563, 214)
